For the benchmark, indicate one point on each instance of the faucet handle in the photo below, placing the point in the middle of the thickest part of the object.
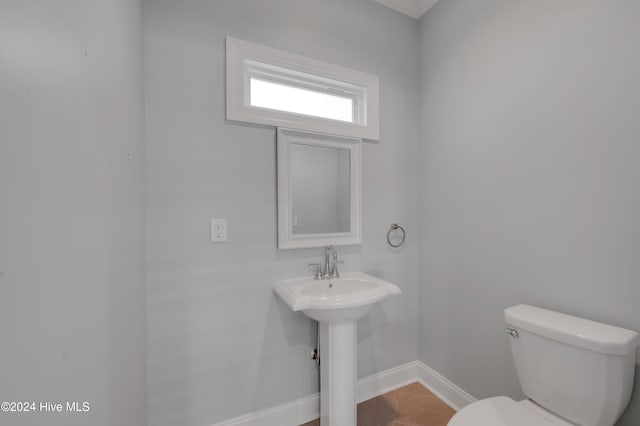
(334, 271)
(318, 270)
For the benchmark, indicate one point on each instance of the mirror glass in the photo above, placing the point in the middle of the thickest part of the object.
(320, 189)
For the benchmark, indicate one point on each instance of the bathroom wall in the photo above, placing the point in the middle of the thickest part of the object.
(220, 344)
(529, 178)
(72, 290)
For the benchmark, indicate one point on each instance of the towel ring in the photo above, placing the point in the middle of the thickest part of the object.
(394, 227)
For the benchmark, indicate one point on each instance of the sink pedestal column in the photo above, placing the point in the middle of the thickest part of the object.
(338, 373)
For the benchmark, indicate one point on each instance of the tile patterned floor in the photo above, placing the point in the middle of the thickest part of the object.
(412, 405)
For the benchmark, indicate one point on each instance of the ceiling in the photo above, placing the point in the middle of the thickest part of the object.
(413, 8)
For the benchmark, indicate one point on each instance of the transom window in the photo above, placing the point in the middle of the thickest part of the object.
(299, 100)
(270, 86)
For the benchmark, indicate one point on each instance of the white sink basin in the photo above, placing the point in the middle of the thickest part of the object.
(336, 303)
(336, 299)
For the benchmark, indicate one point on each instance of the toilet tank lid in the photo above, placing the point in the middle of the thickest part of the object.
(583, 333)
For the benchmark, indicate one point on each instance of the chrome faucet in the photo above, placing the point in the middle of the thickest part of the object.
(328, 270)
(334, 270)
(331, 263)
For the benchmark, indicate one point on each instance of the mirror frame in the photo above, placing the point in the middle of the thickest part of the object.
(286, 238)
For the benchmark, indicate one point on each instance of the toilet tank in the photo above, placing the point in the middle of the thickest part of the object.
(578, 369)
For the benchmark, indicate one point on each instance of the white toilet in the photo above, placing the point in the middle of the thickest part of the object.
(574, 372)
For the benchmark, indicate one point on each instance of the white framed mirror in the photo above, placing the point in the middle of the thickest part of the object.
(319, 190)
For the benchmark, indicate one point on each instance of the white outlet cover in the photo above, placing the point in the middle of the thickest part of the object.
(218, 230)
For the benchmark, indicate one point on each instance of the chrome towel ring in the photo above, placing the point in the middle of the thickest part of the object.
(396, 227)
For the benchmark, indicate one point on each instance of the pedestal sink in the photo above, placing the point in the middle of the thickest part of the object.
(336, 303)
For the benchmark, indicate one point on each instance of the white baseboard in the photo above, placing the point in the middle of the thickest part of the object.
(387, 380)
(292, 413)
(440, 386)
(306, 409)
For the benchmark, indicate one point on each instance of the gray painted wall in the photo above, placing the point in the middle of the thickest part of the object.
(220, 344)
(530, 179)
(72, 290)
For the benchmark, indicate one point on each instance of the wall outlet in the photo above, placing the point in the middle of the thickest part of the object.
(218, 230)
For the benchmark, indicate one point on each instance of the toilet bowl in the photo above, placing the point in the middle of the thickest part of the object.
(573, 371)
(503, 411)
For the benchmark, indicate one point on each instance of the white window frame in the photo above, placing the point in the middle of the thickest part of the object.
(246, 60)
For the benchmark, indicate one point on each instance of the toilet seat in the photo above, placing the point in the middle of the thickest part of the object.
(498, 411)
